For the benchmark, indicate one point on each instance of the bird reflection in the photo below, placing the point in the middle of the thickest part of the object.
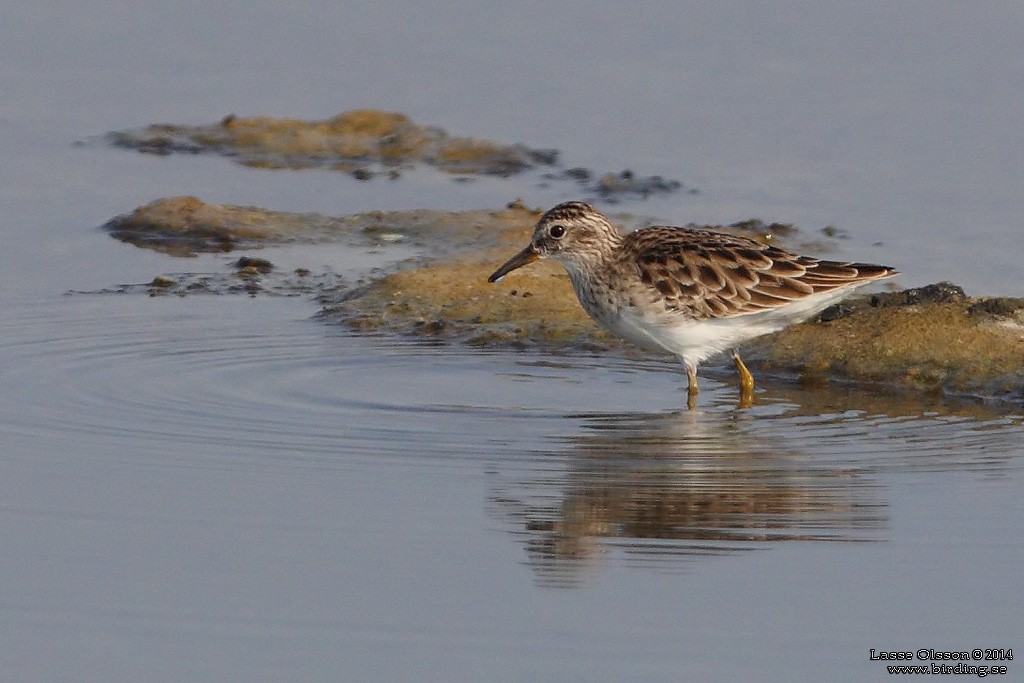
(676, 487)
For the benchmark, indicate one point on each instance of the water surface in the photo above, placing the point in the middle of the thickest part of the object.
(222, 488)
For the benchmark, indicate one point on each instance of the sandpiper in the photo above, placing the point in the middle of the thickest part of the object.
(692, 293)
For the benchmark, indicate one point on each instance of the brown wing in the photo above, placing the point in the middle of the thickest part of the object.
(709, 274)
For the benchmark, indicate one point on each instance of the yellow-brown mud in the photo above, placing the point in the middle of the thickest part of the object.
(927, 346)
(454, 299)
(185, 225)
(369, 143)
(962, 345)
(353, 141)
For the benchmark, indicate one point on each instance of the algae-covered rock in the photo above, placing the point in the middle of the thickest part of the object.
(931, 346)
(356, 141)
(371, 143)
(453, 299)
(184, 226)
(932, 337)
(188, 225)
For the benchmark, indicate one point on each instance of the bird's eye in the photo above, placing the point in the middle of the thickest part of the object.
(557, 231)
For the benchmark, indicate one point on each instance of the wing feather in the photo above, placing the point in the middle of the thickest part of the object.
(708, 274)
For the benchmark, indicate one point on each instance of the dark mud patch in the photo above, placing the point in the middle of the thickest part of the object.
(247, 280)
(615, 187)
(938, 293)
(998, 307)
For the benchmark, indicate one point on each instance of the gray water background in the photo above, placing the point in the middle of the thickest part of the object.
(228, 489)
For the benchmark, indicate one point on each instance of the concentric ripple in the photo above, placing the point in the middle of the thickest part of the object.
(150, 378)
(582, 453)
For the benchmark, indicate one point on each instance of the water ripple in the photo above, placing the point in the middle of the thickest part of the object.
(163, 379)
(229, 384)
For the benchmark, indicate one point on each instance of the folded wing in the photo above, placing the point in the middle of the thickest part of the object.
(707, 274)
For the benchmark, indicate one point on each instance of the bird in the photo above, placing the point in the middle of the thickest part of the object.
(690, 292)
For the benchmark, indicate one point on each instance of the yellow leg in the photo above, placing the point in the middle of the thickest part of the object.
(746, 382)
(691, 386)
(746, 379)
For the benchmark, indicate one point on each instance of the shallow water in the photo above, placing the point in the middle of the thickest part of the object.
(226, 488)
(218, 488)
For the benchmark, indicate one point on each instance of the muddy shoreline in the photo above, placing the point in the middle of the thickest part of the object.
(933, 339)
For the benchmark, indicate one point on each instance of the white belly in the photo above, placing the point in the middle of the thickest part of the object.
(696, 340)
(691, 340)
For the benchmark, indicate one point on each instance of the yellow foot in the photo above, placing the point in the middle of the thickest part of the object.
(746, 382)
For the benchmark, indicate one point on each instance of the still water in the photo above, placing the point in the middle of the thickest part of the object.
(216, 489)
(228, 489)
